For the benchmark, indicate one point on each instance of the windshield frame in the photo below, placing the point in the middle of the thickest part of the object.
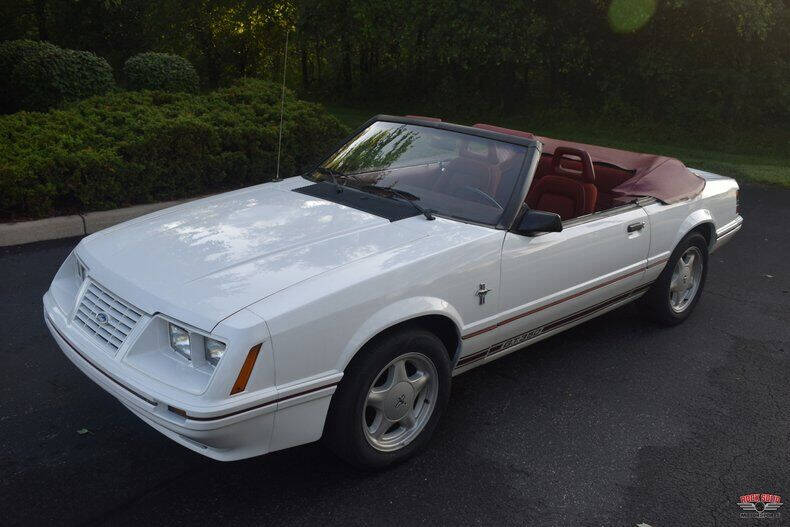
(523, 180)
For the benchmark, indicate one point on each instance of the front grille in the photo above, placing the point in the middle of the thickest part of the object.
(121, 317)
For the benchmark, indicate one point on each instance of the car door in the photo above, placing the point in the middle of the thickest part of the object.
(552, 280)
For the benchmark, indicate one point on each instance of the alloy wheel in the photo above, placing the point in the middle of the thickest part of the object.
(400, 402)
(686, 278)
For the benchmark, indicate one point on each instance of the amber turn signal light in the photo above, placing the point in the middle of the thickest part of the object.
(246, 370)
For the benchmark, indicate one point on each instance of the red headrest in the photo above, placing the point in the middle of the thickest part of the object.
(587, 173)
(434, 119)
(492, 128)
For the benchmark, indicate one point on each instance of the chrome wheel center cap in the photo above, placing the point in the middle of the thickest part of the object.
(400, 400)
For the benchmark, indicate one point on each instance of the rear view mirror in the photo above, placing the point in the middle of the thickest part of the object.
(535, 221)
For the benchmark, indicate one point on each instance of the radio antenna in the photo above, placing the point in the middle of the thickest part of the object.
(282, 109)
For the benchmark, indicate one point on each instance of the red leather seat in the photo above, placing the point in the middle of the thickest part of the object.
(607, 178)
(567, 192)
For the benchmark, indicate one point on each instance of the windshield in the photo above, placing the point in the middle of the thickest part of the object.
(452, 174)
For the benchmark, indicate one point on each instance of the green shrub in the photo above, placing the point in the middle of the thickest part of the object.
(51, 76)
(160, 71)
(126, 148)
(12, 52)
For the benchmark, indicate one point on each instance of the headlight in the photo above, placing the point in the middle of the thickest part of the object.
(182, 340)
(179, 340)
(214, 350)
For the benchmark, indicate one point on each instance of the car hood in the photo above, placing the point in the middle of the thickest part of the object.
(202, 261)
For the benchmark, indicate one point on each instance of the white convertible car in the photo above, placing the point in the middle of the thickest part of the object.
(340, 304)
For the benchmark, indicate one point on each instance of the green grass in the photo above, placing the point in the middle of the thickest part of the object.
(761, 156)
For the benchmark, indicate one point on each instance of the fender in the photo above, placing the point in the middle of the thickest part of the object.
(695, 219)
(393, 314)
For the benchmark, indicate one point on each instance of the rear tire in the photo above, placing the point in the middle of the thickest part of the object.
(674, 295)
(390, 400)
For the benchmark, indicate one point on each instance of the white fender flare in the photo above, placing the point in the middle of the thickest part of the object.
(695, 219)
(392, 315)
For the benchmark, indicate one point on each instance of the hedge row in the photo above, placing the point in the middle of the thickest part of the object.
(39, 75)
(126, 148)
(160, 71)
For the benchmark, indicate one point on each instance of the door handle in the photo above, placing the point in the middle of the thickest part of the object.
(638, 226)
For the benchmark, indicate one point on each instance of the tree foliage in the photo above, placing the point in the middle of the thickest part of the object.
(723, 61)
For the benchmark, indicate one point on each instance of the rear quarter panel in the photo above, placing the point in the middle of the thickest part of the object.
(714, 206)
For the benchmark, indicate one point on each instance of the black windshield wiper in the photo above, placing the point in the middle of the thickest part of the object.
(403, 196)
(334, 174)
(400, 194)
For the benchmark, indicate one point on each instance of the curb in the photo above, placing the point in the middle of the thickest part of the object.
(77, 225)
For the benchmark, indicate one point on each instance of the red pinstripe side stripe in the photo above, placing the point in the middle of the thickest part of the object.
(482, 354)
(559, 301)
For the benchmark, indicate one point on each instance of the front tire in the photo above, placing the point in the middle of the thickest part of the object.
(674, 295)
(390, 400)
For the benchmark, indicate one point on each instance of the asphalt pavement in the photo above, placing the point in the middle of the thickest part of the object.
(614, 422)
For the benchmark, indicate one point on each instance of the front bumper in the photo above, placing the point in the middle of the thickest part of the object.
(250, 428)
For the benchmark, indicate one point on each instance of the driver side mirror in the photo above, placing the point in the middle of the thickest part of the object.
(535, 221)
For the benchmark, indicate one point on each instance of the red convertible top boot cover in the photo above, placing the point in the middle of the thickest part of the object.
(664, 178)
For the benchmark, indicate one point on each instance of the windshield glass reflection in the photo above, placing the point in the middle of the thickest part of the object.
(452, 174)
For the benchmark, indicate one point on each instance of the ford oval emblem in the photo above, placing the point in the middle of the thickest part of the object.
(102, 318)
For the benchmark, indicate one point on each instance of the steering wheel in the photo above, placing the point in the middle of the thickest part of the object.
(484, 194)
